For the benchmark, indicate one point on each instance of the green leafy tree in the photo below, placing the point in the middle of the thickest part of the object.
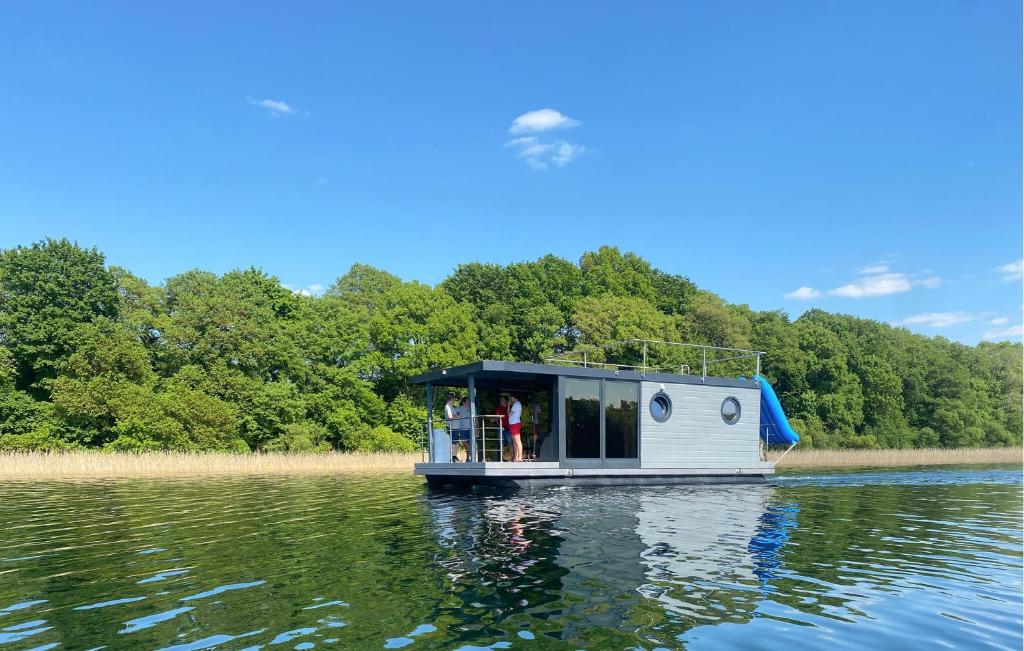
(96, 357)
(47, 290)
(608, 271)
(415, 328)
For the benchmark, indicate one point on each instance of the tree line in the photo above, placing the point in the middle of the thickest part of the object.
(92, 356)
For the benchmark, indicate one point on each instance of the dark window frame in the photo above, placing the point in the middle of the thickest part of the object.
(668, 406)
(739, 410)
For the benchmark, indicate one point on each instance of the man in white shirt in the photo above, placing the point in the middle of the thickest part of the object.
(451, 417)
(515, 427)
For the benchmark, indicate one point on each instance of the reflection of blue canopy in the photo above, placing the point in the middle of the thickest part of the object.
(772, 534)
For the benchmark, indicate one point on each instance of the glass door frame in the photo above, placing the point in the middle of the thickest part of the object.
(602, 462)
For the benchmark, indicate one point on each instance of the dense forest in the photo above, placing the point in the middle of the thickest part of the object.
(92, 356)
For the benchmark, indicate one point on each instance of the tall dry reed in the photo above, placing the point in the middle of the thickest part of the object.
(101, 465)
(898, 458)
(87, 465)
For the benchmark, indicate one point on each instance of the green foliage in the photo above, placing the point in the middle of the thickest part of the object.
(305, 437)
(379, 439)
(38, 440)
(96, 357)
(46, 291)
(415, 328)
(406, 418)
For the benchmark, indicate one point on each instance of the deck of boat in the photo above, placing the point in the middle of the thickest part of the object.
(531, 474)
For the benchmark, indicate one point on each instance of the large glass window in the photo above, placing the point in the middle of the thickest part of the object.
(582, 418)
(621, 400)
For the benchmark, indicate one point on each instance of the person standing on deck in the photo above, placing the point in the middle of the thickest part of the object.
(452, 419)
(515, 426)
(464, 428)
(502, 412)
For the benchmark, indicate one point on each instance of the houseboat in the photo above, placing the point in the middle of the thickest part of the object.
(587, 422)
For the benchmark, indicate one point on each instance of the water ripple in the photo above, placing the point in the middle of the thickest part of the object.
(838, 560)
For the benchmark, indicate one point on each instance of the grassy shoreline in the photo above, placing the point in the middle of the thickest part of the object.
(98, 465)
(897, 458)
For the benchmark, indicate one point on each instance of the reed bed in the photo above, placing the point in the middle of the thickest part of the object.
(100, 465)
(898, 458)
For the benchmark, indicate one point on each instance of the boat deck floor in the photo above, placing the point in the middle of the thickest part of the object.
(541, 473)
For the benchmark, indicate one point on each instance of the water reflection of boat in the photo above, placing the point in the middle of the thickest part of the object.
(708, 551)
(603, 558)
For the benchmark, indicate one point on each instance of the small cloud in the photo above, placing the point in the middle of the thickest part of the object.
(877, 285)
(541, 155)
(311, 290)
(884, 284)
(321, 180)
(1011, 271)
(1013, 332)
(542, 120)
(277, 108)
(803, 294)
(878, 268)
(999, 320)
(939, 319)
(565, 152)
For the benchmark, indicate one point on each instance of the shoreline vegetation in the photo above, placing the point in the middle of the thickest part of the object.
(93, 358)
(41, 466)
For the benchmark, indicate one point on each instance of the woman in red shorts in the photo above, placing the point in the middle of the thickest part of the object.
(515, 427)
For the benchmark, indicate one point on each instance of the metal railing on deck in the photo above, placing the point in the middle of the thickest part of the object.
(485, 429)
(583, 356)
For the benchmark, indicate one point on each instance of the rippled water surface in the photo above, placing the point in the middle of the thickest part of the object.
(925, 559)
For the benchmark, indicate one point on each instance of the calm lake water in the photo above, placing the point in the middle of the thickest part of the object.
(922, 559)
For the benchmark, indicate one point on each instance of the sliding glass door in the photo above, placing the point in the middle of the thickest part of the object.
(582, 418)
(621, 418)
(601, 422)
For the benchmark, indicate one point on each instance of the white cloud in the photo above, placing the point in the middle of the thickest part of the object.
(877, 285)
(931, 282)
(541, 155)
(803, 294)
(542, 120)
(939, 319)
(1011, 270)
(1013, 332)
(1000, 320)
(878, 268)
(276, 107)
(884, 284)
(565, 152)
(311, 290)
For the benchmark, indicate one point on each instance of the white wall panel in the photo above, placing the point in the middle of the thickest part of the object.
(695, 436)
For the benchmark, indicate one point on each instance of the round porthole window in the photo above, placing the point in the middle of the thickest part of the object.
(661, 407)
(731, 410)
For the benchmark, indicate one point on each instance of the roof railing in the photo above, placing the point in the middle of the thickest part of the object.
(580, 356)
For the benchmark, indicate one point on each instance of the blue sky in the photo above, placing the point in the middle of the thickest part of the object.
(861, 157)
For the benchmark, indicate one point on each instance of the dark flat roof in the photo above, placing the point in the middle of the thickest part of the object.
(489, 372)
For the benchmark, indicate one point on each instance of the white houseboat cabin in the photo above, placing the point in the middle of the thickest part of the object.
(586, 422)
